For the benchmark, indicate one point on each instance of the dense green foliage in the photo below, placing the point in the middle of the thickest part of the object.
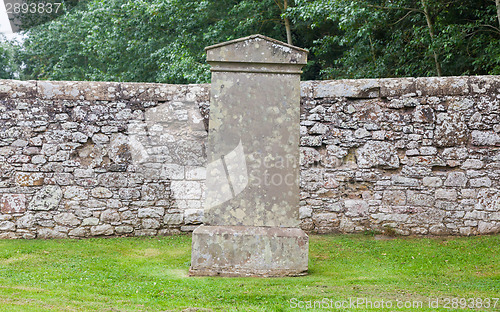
(150, 274)
(163, 40)
(127, 40)
(392, 38)
(9, 68)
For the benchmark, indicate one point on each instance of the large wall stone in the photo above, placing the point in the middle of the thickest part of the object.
(411, 155)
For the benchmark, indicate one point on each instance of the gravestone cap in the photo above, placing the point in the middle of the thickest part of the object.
(256, 49)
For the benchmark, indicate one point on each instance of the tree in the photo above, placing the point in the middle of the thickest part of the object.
(284, 7)
(391, 38)
(9, 68)
(497, 2)
(126, 40)
(163, 41)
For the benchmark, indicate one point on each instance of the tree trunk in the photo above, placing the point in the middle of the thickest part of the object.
(372, 50)
(287, 24)
(498, 11)
(431, 34)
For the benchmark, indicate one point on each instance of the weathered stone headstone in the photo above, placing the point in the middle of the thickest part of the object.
(252, 198)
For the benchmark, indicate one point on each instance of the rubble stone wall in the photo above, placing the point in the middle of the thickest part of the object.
(409, 156)
(81, 159)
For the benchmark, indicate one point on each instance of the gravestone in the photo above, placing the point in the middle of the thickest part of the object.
(252, 197)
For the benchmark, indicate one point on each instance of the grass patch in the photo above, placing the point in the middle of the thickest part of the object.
(150, 274)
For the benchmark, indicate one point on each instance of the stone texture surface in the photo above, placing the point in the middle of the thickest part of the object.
(252, 177)
(257, 49)
(13, 203)
(253, 144)
(249, 251)
(377, 154)
(47, 198)
(48, 130)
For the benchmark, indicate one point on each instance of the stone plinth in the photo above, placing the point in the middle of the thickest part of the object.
(252, 197)
(249, 251)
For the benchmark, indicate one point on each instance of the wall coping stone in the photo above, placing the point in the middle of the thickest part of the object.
(349, 88)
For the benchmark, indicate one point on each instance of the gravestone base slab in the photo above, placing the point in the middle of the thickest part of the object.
(236, 251)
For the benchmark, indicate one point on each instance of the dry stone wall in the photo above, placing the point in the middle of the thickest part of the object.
(411, 156)
(80, 159)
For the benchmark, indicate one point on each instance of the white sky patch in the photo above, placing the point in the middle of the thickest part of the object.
(4, 20)
(5, 25)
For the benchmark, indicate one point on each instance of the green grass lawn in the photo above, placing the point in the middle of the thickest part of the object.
(150, 274)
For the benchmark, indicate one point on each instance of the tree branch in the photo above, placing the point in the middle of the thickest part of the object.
(497, 2)
(401, 19)
(490, 26)
(395, 8)
(278, 3)
(431, 34)
(287, 24)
